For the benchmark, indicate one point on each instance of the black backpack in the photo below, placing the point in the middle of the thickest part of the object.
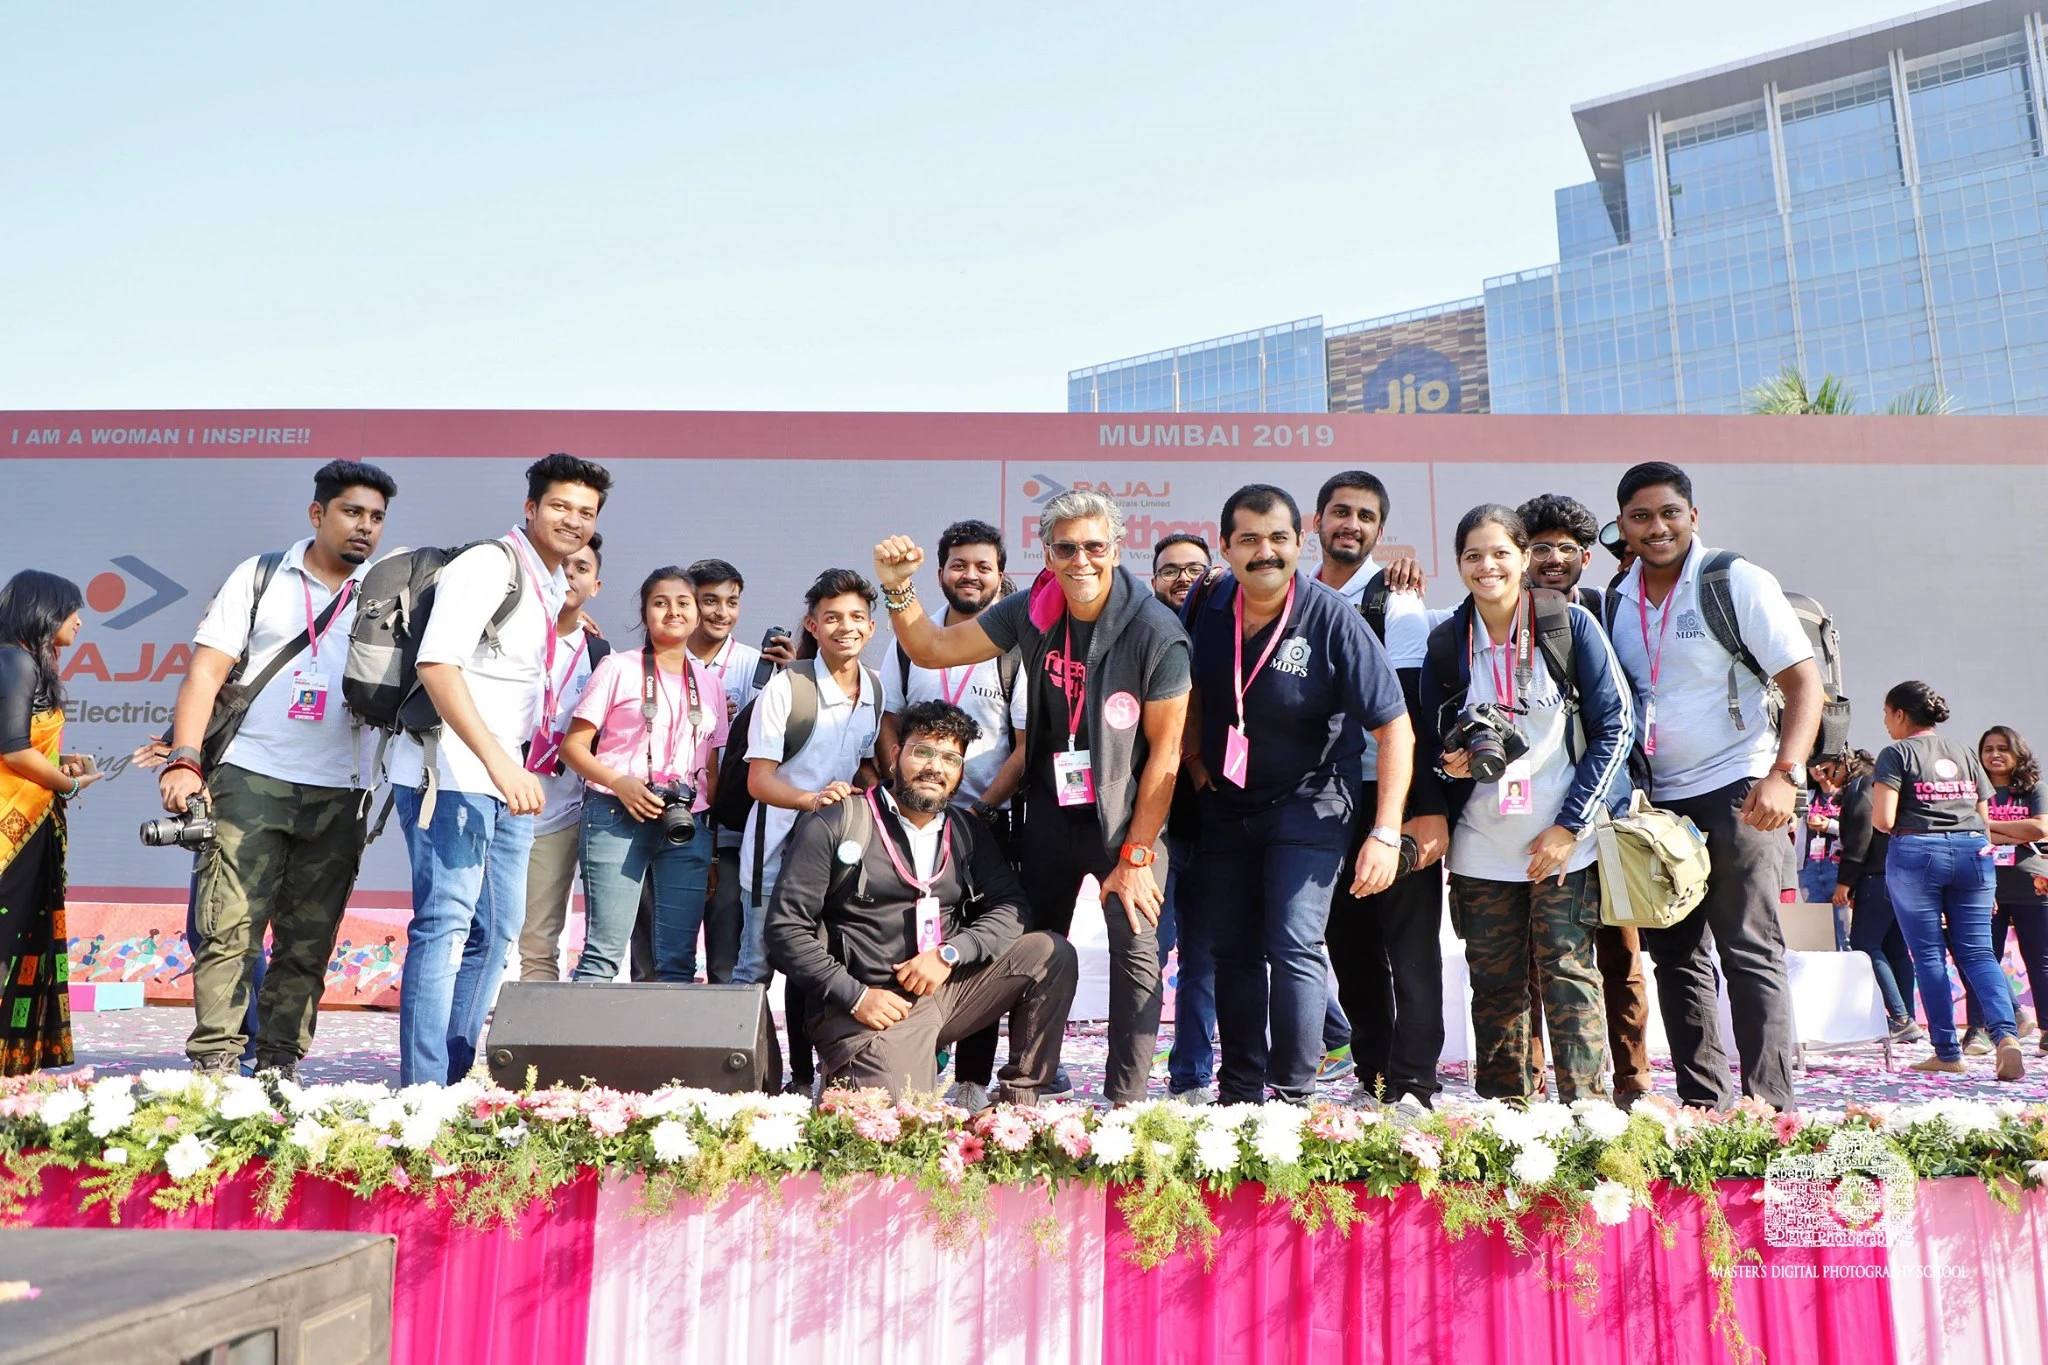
(1717, 613)
(381, 684)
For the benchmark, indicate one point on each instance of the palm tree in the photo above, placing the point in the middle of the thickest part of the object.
(1786, 395)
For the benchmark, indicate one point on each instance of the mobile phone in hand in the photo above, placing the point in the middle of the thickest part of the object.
(765, 669)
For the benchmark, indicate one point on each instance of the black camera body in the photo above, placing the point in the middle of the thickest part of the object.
(193, 829)
(1487, 732)
(678, 826)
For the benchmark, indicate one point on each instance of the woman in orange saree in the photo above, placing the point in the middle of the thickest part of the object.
(38, 616)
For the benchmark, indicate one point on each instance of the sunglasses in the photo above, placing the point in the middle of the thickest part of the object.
(1064, 550)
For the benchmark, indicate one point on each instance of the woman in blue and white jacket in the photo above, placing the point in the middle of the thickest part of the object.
(1524, 890)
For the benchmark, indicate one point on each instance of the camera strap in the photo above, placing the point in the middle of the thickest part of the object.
(1511, 683)
(650, 681)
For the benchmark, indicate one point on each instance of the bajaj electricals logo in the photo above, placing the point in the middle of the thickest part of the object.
(1041, 489)
(108, 592)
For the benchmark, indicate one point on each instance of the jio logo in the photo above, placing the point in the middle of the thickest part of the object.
(1414, 379)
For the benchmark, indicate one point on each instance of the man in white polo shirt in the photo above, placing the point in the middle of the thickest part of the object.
(1715, 756)
(789, 772)
(971, 563)
(286, 792)
(492, 694)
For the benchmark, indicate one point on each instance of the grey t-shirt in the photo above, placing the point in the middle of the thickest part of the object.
(1939, 784)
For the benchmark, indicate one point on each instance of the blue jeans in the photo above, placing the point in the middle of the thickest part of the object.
(619, 854)
(1941, 886)
(1192, 1062)
(468, 903)
(1874, 932)
(1263, 884)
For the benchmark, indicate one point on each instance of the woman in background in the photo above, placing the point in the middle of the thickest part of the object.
(2018, 819)
(1859, 888)
(38, 617)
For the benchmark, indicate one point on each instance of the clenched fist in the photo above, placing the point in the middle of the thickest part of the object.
(896, 561)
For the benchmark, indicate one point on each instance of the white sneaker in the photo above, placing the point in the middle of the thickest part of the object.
(1200, 1094)
(969, 1096)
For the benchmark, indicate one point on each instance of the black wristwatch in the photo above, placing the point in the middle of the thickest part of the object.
(949, 955)
(982, 809)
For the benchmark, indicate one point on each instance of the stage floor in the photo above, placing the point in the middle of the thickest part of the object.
(362, 1045)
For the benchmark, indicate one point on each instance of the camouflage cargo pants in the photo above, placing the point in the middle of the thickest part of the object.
(285, 862)
(1511, 929)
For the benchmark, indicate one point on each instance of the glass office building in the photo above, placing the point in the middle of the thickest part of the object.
(1275, 369)
(1869, 206)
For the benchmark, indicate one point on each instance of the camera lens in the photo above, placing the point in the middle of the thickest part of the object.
(1489, 757)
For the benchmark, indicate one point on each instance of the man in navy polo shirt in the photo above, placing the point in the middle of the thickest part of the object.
(1288, 682)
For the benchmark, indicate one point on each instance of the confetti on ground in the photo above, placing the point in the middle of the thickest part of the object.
(362, 1045)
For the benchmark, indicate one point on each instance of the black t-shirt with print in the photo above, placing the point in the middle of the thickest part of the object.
(2018, 884)
(1939, 784)
(1061, 688)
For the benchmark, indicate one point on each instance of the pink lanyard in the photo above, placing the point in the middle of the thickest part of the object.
(716, 665)
(1074, 711)
(548, 693)
(1508, 677)
(1237, 676)
(924, 885)
(562, 688)
(946, 688)
(1655, 657)
(313, 631)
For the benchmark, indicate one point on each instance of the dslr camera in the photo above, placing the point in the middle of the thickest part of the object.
(193, 829)
(1487, 732)
(678, 826)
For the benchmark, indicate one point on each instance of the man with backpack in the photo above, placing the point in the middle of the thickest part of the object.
(811, 735)
(1562, 534)
(972, 559)
(465, 765)
(260, 732)
(1730, 701)
(903, 926)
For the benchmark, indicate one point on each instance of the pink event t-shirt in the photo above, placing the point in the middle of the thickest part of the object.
(612, 703)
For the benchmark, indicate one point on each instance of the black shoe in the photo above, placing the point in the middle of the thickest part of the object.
(285, 1069)
(217, 1064)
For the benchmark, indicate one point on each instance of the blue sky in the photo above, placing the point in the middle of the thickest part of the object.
(769, 205)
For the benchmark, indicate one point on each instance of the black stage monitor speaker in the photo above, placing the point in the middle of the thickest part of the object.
(636, 1037)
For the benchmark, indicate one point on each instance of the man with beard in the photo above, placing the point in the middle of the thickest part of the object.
(287, 792)
(1386, 948)
(1562, 534)
(1107, 671)
(971, 564)
(1288, 683)
(903, 925)
(1180, 561)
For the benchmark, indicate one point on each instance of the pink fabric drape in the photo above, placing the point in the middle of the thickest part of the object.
(461, 1294)
(1971, 1284)
(1396, 1289)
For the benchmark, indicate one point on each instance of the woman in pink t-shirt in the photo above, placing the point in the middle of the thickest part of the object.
(645, 739)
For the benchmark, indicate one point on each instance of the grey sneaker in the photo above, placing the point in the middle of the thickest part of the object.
(969, 1096)
(1976, 1043)
(218, 1064)
(1200, 1094)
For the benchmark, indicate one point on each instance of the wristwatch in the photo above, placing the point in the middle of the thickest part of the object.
(1140, 855)
(949, 955)
(1390, 837)
(1792, 773)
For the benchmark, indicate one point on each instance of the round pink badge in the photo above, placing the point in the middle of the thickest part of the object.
(1120, 710)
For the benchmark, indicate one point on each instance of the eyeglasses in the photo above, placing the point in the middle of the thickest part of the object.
(1543, 549)
(945, 758)
(1185, 573)
(1066, 549)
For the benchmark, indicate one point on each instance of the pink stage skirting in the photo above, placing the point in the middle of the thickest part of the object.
(817, 1278)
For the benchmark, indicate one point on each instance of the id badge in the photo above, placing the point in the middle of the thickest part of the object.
(1515, 796)
(1817, 851)
(2005, 855)
(1650, 728)
(928, 936)
(544, 753)
(1074, 778)
(309, 697)
(1237, 755)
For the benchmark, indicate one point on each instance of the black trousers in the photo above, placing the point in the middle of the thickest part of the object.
(1059, 852)
(1741, 911)
(974, 1058)
(1387, 954)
